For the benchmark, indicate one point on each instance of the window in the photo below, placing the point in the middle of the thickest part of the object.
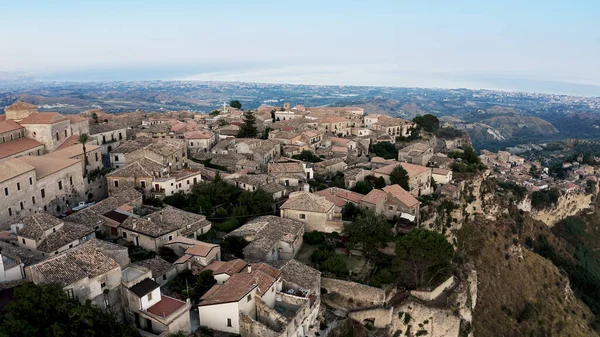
(125, 234)
(106, 302)
(248, 298)
(45, 208)
(57, 137)
(18, 186)
(301, 216)
(116, 158)
(21, 205)
(70, 246)
(70, 293)
(188, 182)
(30, 181)
(103, 284)
(150, 297)
(43, 193)
(6, 191)
(71, 180)
(66, 134)
(120, 136)
(33, 200)
(170, 237)
(53, 230)
(229, 322)
(164, 277)
(143, 184)
(391, 208)
(23, 241)
(60, 185)
(116, 182)
(9, 211)
(96, 156)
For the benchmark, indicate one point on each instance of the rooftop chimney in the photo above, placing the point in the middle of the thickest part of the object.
(249, 269)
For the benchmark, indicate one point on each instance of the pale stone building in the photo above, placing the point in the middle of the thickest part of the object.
(315, 211)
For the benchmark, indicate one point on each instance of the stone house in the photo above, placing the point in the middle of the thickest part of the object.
(259, 181)
(393, 202)
(315, 211)
(417, 153)
(271, 238)
(91, 271)
(193, 251)
(419, 179)
(290, 173)
(162, 270)
(441, 176)
(171, 153)
(138, 174)
(394, 127)
(150, 310)
(222, 307)
(340, 197)
(49, 235)
(118, 155)
(13, 142)
(31, 184)
(199, 141)
(48, 128)
(336, 125)
(109, 136)
(154, 230)
(260, 151)
(352, 176)
(330, 166)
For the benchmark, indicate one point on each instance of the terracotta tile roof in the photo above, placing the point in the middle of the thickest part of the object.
(105, 127)
(229, 267)
(265, 233)
(9, 125)
(18, 106)
(158, 266)
(340, 149)
(166, 306)
(73, 151)
(387, 170)
(86, 260)
(374, 197)
(35, 225)
(43, 118)
(143, 167)
(198, 135)
(285, 168)
(13, 167)
(402, 195)
(18, 145)
(2, 118)
(201, 249)
(28, 257)
(76, 118)
(72, 140)
(239, 285)
(305, 201)
(164, 221)
(46, 165)
(440, 171)
(333, 119)
(340, 196)
(70, 232)
(132, 145)
(413, 169)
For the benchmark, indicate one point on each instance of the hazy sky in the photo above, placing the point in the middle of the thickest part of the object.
(407, 43)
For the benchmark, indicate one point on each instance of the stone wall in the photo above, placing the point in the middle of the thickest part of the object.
(380, 317)
(250, 327)
(430, 295)
(358, 295)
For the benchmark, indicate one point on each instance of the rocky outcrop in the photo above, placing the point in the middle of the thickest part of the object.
(568, 205)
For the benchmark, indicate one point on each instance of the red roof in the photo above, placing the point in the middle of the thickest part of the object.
(18, 145)
(9, 125)
(43, 118)
(402, 195)
(374, 197)
(166, 306)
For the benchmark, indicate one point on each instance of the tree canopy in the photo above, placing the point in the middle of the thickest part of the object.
(385, 150)
(469, 161)
(235, 104)
(46, 311)
(192, 286)
(400, 176)
(427, 122)
(424, 256)
(370, 230)
(248, 128)
(307, 156)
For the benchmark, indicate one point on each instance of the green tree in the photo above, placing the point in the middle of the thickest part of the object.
(248, 128)
(338, 180)
(424, 256)
(46, 311)
(256, 202)
(235, 104)
(362, 187)
(370, 230)
(223, 122)
(380, 183)
(214, 113)
(427, 122)
(307, 156)
(385, 150)
(95, 117)
(83, 139)
(400, 176)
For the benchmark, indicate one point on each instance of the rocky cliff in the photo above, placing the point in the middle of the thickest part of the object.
(568, 204)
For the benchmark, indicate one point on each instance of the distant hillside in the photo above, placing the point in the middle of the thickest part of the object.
(518, 125)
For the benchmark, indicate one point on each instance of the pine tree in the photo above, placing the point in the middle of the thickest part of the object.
(248, 128)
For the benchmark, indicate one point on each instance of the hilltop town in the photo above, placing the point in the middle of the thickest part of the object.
(276, 221)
